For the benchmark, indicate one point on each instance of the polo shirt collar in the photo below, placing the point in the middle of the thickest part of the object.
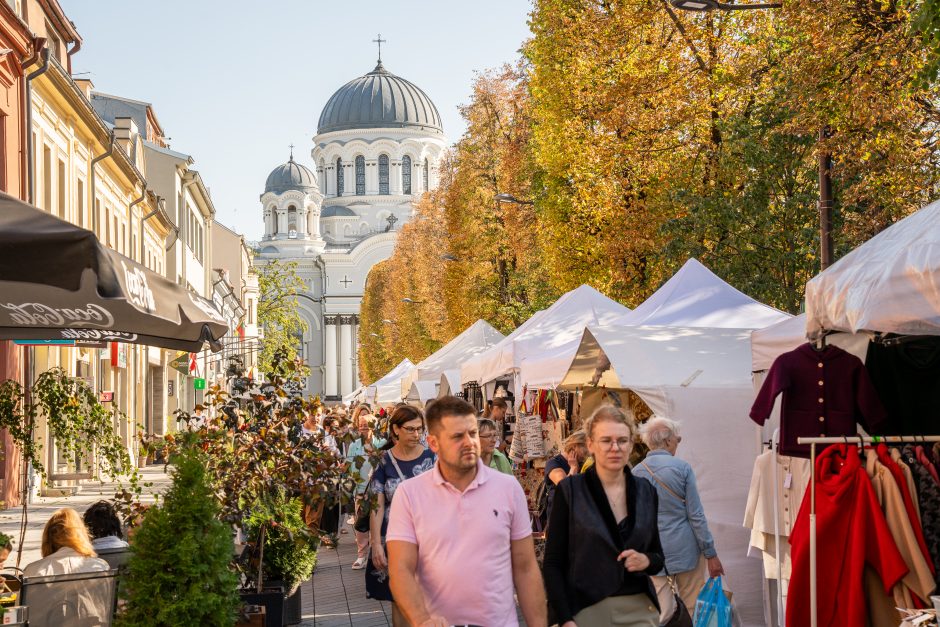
(479, 480)
(658, 451)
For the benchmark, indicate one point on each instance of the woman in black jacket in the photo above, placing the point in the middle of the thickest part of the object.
(603, 539)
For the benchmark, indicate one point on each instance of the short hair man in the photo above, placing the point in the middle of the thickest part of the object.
(459, 537)
(500, 407)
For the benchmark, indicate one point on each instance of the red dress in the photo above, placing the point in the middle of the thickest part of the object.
(851, 532)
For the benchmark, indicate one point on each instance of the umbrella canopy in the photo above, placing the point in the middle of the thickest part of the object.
(58, 282)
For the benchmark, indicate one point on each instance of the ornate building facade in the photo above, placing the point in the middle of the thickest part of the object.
(378, 147)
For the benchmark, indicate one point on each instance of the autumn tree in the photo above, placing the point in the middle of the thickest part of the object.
(278, 314)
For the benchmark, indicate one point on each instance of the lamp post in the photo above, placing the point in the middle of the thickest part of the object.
(825, 157)
(411, 301)
(511, 199)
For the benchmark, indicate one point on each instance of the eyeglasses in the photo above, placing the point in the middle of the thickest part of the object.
(488, 436)
(608, 444)
(412, 430)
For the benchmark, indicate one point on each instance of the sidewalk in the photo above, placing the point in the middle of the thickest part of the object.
(42, 508)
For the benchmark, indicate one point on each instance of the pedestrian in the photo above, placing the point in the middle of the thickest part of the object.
(683, 528)
(566, 463)
(6, 547)
(603, 542)
(65, 548)
(492, 456)
(404, 458)
(104, 527)
(459, 538)
(366, 444)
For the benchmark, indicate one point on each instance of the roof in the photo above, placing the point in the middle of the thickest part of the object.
(379, 99)
(290, 176)
(337, 211)
(472, 341)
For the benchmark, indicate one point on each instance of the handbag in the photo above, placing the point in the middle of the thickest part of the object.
(365, 508)
(680, 615)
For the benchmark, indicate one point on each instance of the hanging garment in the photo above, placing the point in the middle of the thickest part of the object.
(793, 474)
(919, 580)
(825, 393)
(928, 495)
(925, 457)
(851, 532)
(905, 375)
(909, 478)
(909, 497)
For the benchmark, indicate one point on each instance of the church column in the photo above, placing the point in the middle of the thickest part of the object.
(372, 177)
(329, 374)
(349, 179)
(394, 177)
(355, 335)
(345, 354)
(282, 221)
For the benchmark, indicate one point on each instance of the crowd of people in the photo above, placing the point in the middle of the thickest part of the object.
(450, 533)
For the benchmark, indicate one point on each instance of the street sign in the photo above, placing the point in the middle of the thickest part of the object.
(44, 342)
(105, 397)
(181, 363)
(199, 384)
(170, 385)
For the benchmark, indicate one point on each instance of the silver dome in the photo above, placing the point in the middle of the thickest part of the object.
(290, 176)
(379, 100)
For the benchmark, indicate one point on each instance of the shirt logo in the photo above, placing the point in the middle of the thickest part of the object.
(495, 513)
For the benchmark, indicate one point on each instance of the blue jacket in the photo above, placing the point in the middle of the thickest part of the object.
(683, 529)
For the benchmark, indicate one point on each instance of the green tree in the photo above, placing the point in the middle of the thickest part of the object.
(180, 569)
(278, 314)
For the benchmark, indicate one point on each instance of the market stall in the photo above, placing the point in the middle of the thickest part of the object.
(474, 340)
(387, 390)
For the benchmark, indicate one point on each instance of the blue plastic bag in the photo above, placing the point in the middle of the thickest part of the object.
(712, 608)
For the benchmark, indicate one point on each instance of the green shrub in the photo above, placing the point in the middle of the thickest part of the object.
(290, 549)
(180, 570)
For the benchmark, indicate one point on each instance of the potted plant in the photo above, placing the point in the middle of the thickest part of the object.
(180, 571)
(287, 549)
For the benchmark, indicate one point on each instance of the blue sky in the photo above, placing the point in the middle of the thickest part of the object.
(235, 82)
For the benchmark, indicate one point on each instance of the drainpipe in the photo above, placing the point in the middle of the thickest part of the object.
(130, 215)
(94, 208)
(73, 50)
(31, 150)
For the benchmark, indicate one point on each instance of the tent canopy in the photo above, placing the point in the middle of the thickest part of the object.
(693, 297)
(696, 297)
(888, 284)
(58, 282)
(421, 391)
(547, 331)
(474, 340)
(387, 390)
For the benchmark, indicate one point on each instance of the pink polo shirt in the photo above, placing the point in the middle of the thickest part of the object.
(464, 560)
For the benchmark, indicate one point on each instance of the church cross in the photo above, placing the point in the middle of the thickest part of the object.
(345, 281)
(380, 41)
(391, 219)
(292, 152)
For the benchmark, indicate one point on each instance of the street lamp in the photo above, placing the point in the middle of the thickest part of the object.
(449, 257)
(411, 301)
(512, 199)
(701, 6)
(387, 321)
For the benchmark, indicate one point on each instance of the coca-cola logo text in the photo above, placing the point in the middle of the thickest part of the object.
(40, 315)
(98, 335)
(138, 292)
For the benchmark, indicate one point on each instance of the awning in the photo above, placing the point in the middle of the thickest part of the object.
(58, 282)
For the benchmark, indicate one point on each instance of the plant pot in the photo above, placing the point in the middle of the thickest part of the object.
(293, 606)
(273, 600)
(252, 616)
(141, 461)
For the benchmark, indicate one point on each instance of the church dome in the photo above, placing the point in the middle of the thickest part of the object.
(379, 100)
(290, 176)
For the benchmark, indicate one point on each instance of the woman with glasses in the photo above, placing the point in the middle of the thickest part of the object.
(604, 540)
(405, 457)
(489, 439)
(682, 524)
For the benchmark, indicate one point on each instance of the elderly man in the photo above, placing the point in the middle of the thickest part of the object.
(683, 529)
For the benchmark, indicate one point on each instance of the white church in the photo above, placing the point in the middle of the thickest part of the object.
(377, 149)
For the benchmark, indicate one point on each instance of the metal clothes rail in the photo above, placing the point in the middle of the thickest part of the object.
(848, 439)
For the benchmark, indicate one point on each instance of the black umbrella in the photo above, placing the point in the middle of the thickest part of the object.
(57, 281)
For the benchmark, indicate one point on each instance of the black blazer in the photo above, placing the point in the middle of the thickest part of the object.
(583, 542)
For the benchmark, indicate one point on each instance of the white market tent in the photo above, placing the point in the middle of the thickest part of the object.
(356, 395)
(546, 332)
(387, 390)
(693, 297)
(475, 339)
(889, 284)
(420, 392)
(768, 344)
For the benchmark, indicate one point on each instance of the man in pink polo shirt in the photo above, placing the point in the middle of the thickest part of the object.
(459, 537)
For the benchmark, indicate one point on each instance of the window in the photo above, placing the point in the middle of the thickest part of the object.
(360, 175)
(62, 197)
(406, 174)
(47, 178)
(80, 203)
(383, 174)
(292, 221)
(340, 179)
(427, 170)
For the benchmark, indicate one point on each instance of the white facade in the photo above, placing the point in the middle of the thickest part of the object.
(340, 217)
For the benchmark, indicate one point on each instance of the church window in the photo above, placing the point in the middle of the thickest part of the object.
(406, 174)
(360, 175)
(339, 177)
(427, 172)
(383, 174)
(292, 221)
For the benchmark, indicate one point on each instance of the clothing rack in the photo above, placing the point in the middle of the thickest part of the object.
(847, 439)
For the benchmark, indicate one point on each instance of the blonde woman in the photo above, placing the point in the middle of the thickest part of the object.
(66, 547)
